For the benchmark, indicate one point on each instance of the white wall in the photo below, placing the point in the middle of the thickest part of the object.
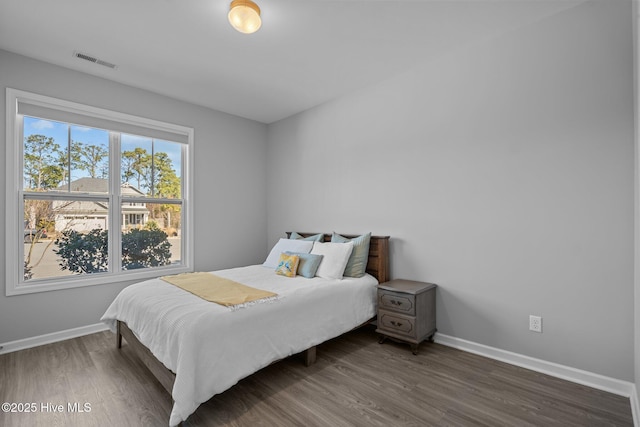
(230, 200)
(504, 173)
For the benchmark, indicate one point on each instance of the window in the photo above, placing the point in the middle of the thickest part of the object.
(102, 196)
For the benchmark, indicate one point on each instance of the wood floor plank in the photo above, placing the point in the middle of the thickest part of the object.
(355, 382)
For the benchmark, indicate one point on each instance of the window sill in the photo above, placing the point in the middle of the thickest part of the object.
(81, 281)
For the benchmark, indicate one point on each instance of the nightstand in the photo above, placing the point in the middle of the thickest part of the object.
(407, 311)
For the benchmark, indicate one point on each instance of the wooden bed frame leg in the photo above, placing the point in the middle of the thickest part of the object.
(118, 335)
(309, 356)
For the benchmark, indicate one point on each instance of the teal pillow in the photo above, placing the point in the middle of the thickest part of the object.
(308, 264)
(314, 238)
(357, 264)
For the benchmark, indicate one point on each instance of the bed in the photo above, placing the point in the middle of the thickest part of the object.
(197, 349)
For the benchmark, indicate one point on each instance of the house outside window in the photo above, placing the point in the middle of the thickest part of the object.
(103, 196)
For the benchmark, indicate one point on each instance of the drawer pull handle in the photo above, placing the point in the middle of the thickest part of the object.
(394, 323)
(394, 302)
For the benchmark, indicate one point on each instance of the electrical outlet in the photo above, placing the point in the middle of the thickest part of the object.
(535, 323)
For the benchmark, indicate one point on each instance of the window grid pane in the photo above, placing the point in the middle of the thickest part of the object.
(151, 235)
(64, 238)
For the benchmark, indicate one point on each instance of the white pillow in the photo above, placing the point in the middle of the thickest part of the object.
(285, 245)
(334, 258)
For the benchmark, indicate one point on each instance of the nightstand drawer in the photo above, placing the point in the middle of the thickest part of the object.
(397, 323)
(396, 301)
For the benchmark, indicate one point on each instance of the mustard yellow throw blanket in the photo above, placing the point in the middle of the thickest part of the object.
(217, 289)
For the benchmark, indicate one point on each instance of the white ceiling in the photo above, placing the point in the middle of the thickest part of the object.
(306, 53)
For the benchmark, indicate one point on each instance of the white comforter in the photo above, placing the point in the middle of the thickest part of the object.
(210, 347)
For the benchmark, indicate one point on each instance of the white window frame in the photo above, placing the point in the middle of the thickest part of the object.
(14, 241)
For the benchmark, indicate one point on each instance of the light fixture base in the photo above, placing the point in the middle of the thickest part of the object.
(244, 16)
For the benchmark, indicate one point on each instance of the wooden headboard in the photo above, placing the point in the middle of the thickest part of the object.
(378, 264)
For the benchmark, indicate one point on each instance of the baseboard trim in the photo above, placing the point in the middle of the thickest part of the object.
(23, 344)
(635, 406)
(590, 379)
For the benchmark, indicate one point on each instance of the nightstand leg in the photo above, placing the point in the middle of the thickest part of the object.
(382, 339)
(414, 349)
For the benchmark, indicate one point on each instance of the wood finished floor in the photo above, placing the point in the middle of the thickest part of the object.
(355, 382)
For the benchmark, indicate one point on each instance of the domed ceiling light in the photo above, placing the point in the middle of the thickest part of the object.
(244, 16)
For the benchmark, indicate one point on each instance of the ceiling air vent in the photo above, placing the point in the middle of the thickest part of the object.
(95, 60)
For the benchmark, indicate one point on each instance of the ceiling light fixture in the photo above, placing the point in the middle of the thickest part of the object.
(244, 16)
